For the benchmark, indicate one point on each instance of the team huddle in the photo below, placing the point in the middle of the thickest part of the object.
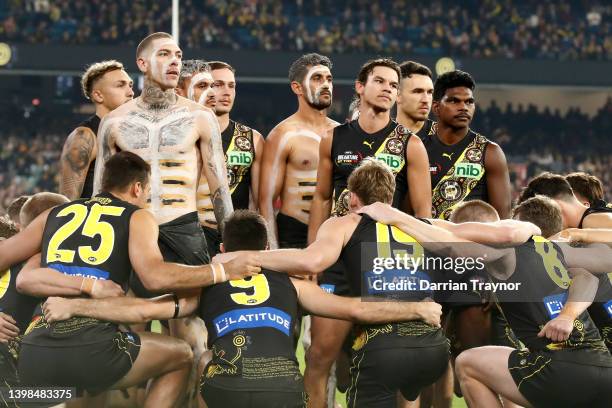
(170, 210)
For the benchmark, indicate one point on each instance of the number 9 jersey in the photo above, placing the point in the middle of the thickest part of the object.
(89, 238)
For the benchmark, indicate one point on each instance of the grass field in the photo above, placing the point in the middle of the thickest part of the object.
(340, 397)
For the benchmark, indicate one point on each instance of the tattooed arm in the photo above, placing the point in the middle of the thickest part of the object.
(106, 148)
(213, 167)
(78, 153)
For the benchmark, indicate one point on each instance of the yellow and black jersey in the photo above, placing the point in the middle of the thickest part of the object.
(351, 144)
(250, 330)
(543, 283)
(19, 307)
(239, 148)
(370, 245)
(87, 238)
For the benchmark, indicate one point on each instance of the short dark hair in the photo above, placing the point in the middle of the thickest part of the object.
(39, 203)
(220, 65)
(474, 211)
(368, 68)
(245, 230)
(15, 206)
(299, 67)
(409, 68)
(7, 227)
(588, 186)
(124, 169)
(146, 42)
(452, 79)
(549, 185)
(541, 211)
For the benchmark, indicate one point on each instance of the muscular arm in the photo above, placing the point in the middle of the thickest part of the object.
(78, 153)
(157, 275)
(273, 170)
(598, 220)
(255, 169)
(213, 168)
(504, 232)
(596, 258)
(318, 302)
(106, 148)
(498, 180)
(419, 179)
(25, 244)
(119, 310)
(588, 235)
(322, 201)
(42, 282)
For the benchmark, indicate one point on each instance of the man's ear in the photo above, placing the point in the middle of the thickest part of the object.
(296, 87)
(97, 97)
(222, 248)
(435, 107)
(142, 64)
(359, 87)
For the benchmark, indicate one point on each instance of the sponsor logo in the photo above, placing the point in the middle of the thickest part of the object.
(608, 307)
(328, 287)
(239, 158)
(393, 161)
(252, 318)
(554, 304)
(448, 156)
(468, 170)
(369, 144)
(84, 271)
(348, 158)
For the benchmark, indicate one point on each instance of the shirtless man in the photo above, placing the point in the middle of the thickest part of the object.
(108, 86)
(243, 147)
(291, 153)
(196, 83)
(165, 130)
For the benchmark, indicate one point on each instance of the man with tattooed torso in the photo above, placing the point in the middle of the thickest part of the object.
(166, 130)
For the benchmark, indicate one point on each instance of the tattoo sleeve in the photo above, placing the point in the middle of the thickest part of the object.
(213, 160)
(106, 149)
(77, 154)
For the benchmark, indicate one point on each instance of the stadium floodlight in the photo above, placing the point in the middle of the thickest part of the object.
(175, 20)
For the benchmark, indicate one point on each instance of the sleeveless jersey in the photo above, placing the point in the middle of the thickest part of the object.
(19, 307)
(426, 129)
(543, 282)
(351, 144)
(86, 238)
(250, 330)
(92, 123)
(601, 309)
(371, 241)
(457, 171)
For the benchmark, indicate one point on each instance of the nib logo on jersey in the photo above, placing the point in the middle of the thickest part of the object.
(252, 318)
(394, 161)
(239, 158)
(468, 170)
(554, 304)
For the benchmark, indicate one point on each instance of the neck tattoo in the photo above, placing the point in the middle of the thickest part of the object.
(155, 98)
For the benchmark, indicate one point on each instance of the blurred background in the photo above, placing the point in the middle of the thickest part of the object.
(543, 69)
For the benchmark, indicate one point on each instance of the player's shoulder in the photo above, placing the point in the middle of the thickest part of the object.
(122, 110)
(332, 124)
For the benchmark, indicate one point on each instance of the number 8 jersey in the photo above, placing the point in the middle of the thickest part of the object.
(89, 238)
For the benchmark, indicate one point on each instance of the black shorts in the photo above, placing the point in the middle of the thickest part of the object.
(333, 280)
(222, 398)
(181, 241)
(213, 240)
(8, 366)
(92, 367)
(501, 333)
(545, 381)
(377, 375)
(292, 233)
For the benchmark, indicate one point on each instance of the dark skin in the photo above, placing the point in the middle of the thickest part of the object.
(454, 112)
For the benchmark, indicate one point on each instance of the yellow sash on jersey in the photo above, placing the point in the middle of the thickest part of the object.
(240, 155)
(391, 152)
(460, 179)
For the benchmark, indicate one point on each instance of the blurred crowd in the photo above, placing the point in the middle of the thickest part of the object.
(534, 141)
(549, 29)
